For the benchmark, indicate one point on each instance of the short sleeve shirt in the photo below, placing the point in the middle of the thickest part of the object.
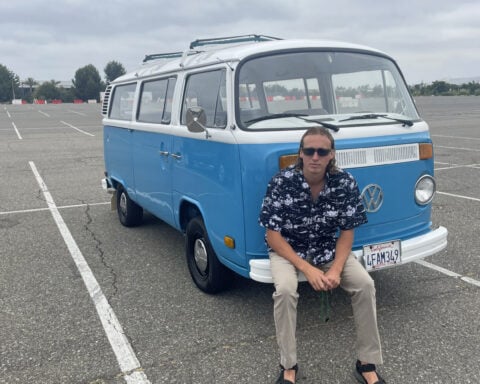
(311, 227)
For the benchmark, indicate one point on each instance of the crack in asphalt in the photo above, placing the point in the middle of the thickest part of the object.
(100, 251)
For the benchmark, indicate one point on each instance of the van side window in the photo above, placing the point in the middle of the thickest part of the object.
(207, 90)
(122, 102)
(156, 101)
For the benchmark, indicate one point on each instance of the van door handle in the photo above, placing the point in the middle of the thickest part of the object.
(164, 153)
(175, 156)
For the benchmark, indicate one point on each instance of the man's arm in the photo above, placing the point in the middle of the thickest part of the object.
(342, 251)
(317, 279)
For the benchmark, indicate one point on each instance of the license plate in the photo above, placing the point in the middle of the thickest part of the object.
(381, 255)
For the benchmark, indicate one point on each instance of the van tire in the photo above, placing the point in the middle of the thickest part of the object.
(130, 213)
(207, 272)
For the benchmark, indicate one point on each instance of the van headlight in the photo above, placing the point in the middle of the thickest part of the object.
(425, 189)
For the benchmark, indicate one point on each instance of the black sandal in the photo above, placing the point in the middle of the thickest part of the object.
(281, 380)
(360, 368)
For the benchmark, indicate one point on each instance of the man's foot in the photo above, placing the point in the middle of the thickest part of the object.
(366, 374)
(287, 376)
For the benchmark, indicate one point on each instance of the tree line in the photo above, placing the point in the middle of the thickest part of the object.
(442, 88)
(86, 85)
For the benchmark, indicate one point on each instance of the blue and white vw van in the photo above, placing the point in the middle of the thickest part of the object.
(194, 137)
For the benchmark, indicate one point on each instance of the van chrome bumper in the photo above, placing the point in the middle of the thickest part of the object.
(412, 249)
(107, 186)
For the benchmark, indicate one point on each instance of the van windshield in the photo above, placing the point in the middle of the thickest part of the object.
(325, 86)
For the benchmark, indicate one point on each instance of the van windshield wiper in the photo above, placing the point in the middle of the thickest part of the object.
(297, 115)
(376, 116)
(274, 116)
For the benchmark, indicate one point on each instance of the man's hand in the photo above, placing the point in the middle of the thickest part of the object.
(317, 279)
(333, 278)
(321, 281)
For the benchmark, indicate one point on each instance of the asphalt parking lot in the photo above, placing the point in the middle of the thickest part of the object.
(138, 317)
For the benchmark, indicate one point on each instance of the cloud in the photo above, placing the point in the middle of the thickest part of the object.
(52, 39)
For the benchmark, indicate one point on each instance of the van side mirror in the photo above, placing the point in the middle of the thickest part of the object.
(196, 119)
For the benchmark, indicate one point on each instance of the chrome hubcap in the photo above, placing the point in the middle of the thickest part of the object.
(123, 203)
(200, 255)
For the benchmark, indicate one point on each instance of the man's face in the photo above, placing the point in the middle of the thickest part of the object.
(315, 163)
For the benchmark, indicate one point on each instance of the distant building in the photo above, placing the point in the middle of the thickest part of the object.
(67, 84)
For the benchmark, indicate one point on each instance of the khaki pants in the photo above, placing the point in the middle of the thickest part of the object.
(355, 280)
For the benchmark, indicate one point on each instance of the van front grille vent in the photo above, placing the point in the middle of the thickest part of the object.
(367, 157)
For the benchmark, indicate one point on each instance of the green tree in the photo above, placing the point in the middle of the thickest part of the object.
(67, 95)
(112, 70)
(440, 88)
(31, 84)
(9, 84)
(48, 91)
(87, 83)
(473, 87)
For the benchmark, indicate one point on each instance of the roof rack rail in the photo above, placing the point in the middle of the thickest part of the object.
(213, 41)
(155, 56)
(170, 55)
(232, 40)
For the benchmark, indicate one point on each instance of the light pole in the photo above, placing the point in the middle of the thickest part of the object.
(13, 90)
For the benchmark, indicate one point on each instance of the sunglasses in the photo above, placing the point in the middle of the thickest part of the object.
(320, 151)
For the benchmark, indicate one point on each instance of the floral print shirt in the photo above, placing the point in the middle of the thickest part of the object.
(311, 227)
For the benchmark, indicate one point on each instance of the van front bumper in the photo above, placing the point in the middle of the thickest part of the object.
(412, 249)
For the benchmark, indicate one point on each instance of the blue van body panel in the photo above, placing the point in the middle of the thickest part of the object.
(206, 176)
(153, 178)
(118, 157)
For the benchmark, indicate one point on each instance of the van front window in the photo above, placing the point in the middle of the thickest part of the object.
(285, 91)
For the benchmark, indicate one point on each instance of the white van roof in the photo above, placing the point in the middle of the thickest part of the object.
(230, 52)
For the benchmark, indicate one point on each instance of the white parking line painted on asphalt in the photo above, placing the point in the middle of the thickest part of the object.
(44, 113)
(459, 196)
(16, 131)
(126, 358)
(475, 166)
(449, 167)
(78, 113)
(47, 209)
(78, 129)
(448, 272)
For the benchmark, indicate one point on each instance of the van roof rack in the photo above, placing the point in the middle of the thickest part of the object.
(168, 55)
(231, 40)
(204, 42)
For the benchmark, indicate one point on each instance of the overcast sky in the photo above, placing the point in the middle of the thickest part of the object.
(51, 39)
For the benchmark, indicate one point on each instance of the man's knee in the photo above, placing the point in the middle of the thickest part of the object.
(366, 287)
(361, 284)
(287, 288)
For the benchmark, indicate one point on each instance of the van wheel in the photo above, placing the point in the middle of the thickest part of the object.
(207, 272)
(130, 213)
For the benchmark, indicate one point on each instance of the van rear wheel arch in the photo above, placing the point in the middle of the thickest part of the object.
(187, 212)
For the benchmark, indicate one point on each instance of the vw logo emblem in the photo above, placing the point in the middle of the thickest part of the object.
(372, 197)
